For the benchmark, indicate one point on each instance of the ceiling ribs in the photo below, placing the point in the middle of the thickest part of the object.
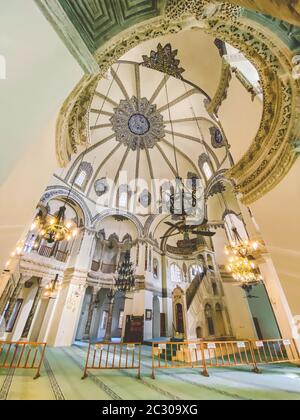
(151, 174)
(96, 127)
(120, 84)
(75, 163)
(106, 99)
(167, 160)
(138, 81)
(121, 165)
(178, 100)
(196, 139)
(99, 112)
(159, 88)
(192, 119)
(184, 156)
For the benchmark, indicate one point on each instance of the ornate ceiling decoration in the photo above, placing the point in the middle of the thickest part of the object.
(99, 20)
(164, 60)
(273, 151)
(137, 124)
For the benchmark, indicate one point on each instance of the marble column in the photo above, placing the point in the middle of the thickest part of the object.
(32, 313)
(111, 300)
(92, 306)
(13, 299)
(70, 299)
(6, 295)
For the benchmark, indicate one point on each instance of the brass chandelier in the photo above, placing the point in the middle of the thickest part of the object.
(54, 228)
(242, 265)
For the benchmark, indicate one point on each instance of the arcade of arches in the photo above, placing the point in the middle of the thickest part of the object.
(127, 113)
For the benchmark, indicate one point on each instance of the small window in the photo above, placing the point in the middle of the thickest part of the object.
(215, 288)
(104, 320)
(121, 319)
(207, 171)
(176, 274)
(123, 200)
(80, 179)
(195, 270)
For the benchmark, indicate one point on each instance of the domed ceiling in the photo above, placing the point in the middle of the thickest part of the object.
(146, 126)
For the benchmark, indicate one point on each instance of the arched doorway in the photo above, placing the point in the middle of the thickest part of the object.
(179, 318)
(220, 324)
(209, 320)
(156, 318)
(199, 332)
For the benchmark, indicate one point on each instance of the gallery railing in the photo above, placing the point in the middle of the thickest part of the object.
(113, 356)
(22, 355)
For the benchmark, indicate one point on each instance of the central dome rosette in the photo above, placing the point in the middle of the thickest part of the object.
(138, 124)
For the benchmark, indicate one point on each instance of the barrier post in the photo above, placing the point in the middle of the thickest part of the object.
(255, 369)
(205, 370)
(85, 375)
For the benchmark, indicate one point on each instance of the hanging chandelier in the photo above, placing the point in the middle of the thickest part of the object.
(242, 265)
(125, 279)
(55, 229)
(52, 288)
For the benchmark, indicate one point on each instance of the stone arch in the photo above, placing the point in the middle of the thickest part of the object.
(100, 217)
(60, 191)
(272, 153)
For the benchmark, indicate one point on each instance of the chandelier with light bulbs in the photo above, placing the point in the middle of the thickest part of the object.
(52, 288)
(54, 228)
(242, 264)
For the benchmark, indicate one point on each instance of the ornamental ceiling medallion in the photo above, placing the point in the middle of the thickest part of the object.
(137, 124)
(164, 60)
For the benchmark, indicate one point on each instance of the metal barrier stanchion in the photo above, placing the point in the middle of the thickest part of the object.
(113, 356)
(277, 351)
(22, 355)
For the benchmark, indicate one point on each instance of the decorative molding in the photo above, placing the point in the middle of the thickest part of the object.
(61, 191)
(100, 217)
(138, 124)
(164, 60)
(99, 20)
(271, 154)
(217, 138)
(221, 93)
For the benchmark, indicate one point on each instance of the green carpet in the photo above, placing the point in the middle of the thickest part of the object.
(63, 368)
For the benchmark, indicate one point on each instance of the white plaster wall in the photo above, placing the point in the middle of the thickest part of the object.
(40, 75)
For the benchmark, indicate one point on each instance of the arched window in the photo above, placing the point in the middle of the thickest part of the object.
(205, 166)
(195, 270)
(83, 175)
(215, 288)
(176, 274)
(123, 197)
(207, 171)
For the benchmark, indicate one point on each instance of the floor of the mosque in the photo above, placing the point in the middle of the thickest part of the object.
(63, 367)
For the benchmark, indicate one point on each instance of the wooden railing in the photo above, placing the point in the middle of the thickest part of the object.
(22, 355)
(113, 356)
(222, 354)
(61, 256)
(46, 251)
